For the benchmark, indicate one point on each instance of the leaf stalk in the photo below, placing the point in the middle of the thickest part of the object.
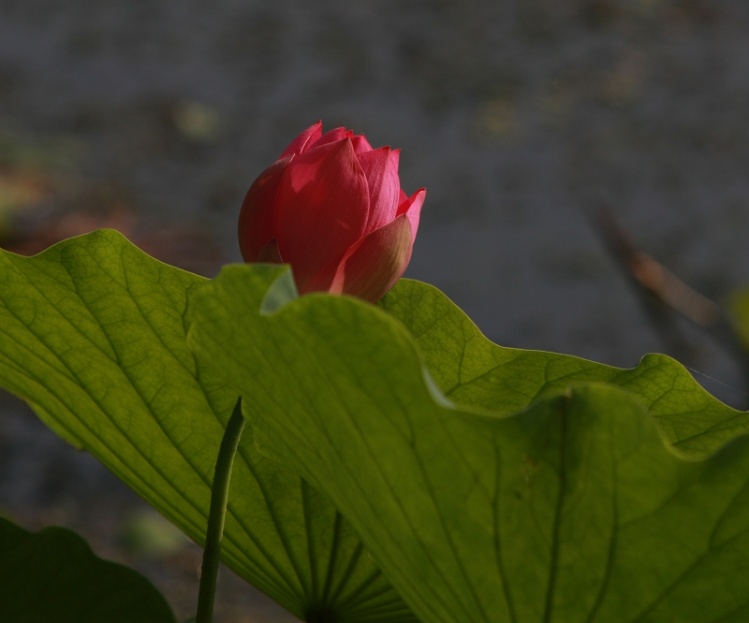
(217, 515)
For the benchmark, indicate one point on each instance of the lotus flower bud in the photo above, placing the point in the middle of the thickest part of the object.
(332, 207)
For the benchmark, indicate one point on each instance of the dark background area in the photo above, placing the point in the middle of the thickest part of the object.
(518, 116)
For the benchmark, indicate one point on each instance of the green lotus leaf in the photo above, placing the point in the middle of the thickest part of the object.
(53, 575)
(93, 337)
(492, 484)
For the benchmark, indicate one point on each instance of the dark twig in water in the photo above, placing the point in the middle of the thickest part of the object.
(663, 294)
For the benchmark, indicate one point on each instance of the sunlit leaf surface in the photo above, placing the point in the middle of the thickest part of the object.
(488, 484)
(92, 335)
(493, 484)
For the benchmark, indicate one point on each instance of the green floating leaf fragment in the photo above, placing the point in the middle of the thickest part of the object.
(738, 308)
(93, 337)
(492, 484)
(54, 576)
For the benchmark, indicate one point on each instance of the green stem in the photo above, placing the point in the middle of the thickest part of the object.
(217, 515)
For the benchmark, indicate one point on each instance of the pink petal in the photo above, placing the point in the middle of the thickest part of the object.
(376, 262)
(304, 141)
(411, 207)
(269, 253)
(361, 144)
(381, 169)
(256, 216)
(332, 136)
(321, 209)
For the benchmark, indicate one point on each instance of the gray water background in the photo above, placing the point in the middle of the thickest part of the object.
(516, 116)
